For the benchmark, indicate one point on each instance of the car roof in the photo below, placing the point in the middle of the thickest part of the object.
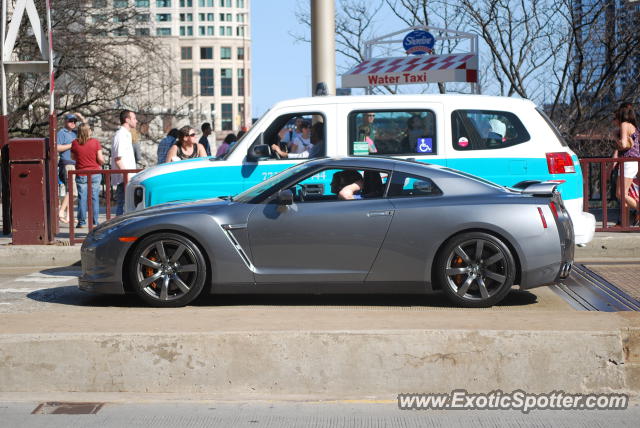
(488, 100)
(378, 162)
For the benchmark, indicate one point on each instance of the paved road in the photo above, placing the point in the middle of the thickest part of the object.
(30, 289)
(303, 414)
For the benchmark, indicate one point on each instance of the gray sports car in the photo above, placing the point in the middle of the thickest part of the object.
(349, 225)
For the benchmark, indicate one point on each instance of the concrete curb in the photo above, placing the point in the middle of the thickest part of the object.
(38, 255)
(611, 246)
(329, 364)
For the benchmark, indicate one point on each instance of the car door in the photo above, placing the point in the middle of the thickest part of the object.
(317, 241)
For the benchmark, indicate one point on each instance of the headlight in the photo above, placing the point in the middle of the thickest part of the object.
(102, 232)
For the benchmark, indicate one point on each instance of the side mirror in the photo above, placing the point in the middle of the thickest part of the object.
(258, 150)
(285, 197)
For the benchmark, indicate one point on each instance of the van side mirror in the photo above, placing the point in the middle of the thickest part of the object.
(258, 150)
(285, 197)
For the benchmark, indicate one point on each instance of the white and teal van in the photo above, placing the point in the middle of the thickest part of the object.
(505, 140)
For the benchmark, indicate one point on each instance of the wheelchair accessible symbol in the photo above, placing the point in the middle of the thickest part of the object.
(424, 145)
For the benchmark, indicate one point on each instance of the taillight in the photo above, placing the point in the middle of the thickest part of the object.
(554, 210)
(544, 221)
(560, 163)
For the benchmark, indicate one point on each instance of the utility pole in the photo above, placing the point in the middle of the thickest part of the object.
(323, 47)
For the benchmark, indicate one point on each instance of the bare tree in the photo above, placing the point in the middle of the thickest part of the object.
(104, 60)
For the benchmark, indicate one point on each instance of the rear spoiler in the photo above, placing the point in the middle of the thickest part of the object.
(537, 187)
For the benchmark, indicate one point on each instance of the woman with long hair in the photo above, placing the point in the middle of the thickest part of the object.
(87, 153)
(187, 146)
(628, 146)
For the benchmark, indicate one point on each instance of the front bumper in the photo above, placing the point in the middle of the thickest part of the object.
(101, 268)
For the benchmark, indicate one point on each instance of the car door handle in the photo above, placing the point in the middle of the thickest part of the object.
(379, 213)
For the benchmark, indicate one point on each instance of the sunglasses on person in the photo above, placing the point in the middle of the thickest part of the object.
(193, 134)
(72, 120)
(371, 115)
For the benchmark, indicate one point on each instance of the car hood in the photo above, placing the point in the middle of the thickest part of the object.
(170, 167)
(166, 208)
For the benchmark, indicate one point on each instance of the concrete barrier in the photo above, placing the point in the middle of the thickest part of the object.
(317, 363)
(38, 255)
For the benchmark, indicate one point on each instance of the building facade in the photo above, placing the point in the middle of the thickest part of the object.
(211, 43)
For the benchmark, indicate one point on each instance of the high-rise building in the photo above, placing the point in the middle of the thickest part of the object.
(210, 41)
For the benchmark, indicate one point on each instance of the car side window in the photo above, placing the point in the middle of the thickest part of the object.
(327, 184)
(376, 132)
(407, 185)
(486, 130)
(299, 135)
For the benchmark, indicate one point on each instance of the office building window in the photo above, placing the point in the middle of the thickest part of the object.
(240, 3)
(206, 53)
(222, 31)
(210, 17)
(206, 82)
(240, 53)
(186, 17)
(99, 4)
(201, 17)
(163, 31)
(225, 53)
(228, 31)
(240, 31)
(240, 17)
(227, 117)
(186, 82)
(143, 32)
(143, 17)
(185, 52)
(210, 30)
(120, 3)
(225, 17)
(202, 31)
(186, 3)
(163, 17)
(207, 3)
(186, 30)
(163, 3)
(241, 82)
(142, 3)
(120, 32)
(226, 82)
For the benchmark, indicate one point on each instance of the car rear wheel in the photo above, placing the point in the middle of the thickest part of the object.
(475, 270)
(167, 270)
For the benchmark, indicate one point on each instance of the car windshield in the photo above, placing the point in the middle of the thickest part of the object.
(273, 182)
(237, 144)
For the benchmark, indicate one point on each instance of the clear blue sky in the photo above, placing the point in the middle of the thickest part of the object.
(281, 66)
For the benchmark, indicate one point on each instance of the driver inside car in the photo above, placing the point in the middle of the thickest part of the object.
(347, 184)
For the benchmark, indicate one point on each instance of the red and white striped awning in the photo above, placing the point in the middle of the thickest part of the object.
(406, 70)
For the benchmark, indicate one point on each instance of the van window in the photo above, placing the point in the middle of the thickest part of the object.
(396, 132)
(300, 135)
(486, 129)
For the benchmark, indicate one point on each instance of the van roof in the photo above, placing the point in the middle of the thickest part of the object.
(488, 100)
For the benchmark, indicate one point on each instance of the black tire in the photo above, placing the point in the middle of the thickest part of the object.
(167, 270)
(475, 270)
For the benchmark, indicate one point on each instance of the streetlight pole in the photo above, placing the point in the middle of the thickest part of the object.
(323, 47)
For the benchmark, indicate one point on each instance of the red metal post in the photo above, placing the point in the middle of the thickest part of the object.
(54, 200)
(604, 176)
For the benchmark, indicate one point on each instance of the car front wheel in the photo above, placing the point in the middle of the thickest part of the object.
(475, 270)
(167, 270)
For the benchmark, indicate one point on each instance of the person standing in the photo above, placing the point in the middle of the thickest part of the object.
(122, 156)
(87, 153)
(204, 140)
(64, 137)
(628, 146)
(165, 144)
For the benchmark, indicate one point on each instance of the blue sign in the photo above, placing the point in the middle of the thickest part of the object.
(424, 145)
(418, 42)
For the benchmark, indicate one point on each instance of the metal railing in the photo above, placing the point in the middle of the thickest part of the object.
(106, 175)
(598, 187)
